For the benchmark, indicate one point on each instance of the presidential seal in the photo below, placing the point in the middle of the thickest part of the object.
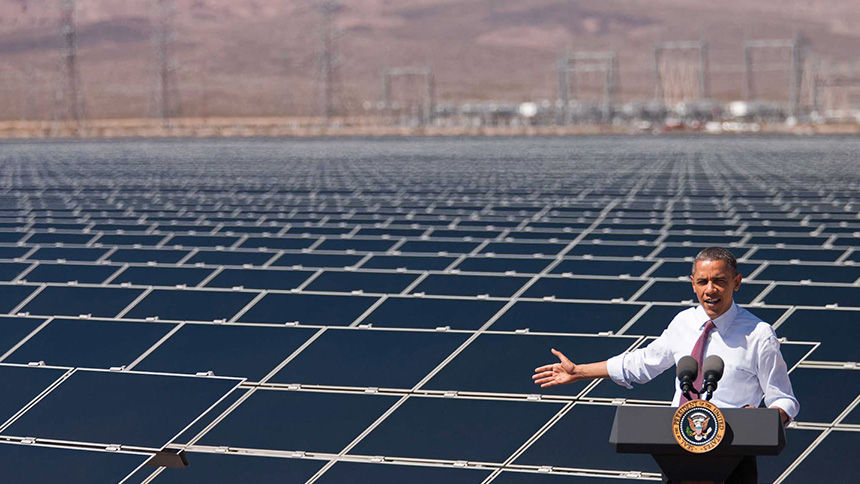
(698, 426)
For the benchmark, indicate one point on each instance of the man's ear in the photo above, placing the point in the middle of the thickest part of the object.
(738, 279)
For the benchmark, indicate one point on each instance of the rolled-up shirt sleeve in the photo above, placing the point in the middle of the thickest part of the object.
(641, 365)
(773, 378)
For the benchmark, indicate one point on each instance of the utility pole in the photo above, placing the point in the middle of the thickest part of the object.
(69, 104)
(327, 59)
(164, 42)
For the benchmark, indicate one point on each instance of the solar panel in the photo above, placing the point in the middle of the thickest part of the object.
(298, 421)
(379, 359)
(456, 429)
(373, 291)
(89, 343)
(37, 463)
(135, 409)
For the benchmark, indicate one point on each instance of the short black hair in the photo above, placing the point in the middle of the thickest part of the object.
(717, 253)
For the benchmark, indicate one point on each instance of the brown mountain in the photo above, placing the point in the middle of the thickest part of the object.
(258, 57)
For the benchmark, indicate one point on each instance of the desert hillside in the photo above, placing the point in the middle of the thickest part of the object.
(258, 57)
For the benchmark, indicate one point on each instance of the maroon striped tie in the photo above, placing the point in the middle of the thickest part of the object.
(699, 355)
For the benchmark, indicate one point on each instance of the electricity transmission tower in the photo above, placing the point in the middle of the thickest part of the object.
(586, 62)
(702, 87)
(796, 47)
(429, 104)
(328, 60)
(167, 100)
(69, 103)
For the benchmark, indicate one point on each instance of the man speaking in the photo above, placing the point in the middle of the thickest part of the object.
(754, 367)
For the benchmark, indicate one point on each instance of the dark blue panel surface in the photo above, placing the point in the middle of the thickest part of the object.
(385, 359)
(10, 237)
(51, 238)
(516, 357)
(69, 272)
(316, 260)
(832, 461)
(240, 351)
(378, 282)
(356, 244)
(433, 313)
(607, 250)
(12, 295)
(308, 309)
(829, 327)
(568, 288)
(565, 317)
(74, 301)
(229, 469)
(12, 330)
(287, 243)
(814, 296)
(581, 439)
(827, 255)
(824, 393)
(202, 240)
(29, 464)
(20, 385)
(119, 407)
(164, 256)
(259, 279)
(13, 252)
(602, 267)
(286, 420)
(796, 441)
(230, 258)
(88, 343)
(813, 273)
(10, 270)
(162, 276)
(522, 248)
(364, 473)
(503, 264)
(461, 285)
(120, 240)
(437, 246)
(68, 253)
(456, 429)
(191, 305)
(408, 262)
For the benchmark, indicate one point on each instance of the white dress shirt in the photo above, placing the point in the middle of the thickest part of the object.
(754, 367)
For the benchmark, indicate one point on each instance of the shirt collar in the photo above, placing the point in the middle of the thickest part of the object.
(722, 323)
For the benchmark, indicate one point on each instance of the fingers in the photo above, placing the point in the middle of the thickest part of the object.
(544, 368)
(549, 384)
(541, 381)
(560, 355)
(543, 374)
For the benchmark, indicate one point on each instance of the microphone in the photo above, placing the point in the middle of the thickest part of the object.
(712, 371)
(687, 370)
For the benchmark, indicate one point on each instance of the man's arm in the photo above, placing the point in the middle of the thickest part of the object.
(565, 371)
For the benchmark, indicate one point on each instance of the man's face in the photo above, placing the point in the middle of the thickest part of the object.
(714, 282)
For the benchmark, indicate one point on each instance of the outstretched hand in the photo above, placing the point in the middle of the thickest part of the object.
(556, 373)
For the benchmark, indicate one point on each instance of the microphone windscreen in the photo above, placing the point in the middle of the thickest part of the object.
(713, 367)
(687, 367)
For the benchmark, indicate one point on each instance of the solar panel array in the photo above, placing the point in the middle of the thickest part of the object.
(340, 311)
